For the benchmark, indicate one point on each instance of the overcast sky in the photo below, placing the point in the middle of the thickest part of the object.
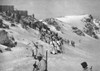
(55, 8)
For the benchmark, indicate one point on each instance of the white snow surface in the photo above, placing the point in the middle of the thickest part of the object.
(74, 20)
(19, 59)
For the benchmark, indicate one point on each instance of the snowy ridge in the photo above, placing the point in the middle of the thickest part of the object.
(75, 20)
(20, 58)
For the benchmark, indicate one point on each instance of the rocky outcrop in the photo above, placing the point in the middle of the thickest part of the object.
(90, 27)
(2, 25)
(6, 40)
(78, 31)
(52, 21)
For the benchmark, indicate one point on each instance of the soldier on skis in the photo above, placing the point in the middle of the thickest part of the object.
(40, 65)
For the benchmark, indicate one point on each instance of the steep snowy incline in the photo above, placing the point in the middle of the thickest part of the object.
(75, 20)
(86, 48)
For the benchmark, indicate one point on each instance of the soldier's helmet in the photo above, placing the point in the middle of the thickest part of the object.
(84, 64)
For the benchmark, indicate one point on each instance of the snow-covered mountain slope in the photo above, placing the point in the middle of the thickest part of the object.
(84, 24)
(86, 47)
(20, 55)
(76, 20)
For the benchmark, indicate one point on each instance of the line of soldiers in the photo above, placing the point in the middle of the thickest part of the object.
(53, 39)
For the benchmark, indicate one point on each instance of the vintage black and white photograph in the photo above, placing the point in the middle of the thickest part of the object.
(49, 35)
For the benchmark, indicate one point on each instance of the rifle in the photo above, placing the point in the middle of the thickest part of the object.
(36, 49)
(46, 60)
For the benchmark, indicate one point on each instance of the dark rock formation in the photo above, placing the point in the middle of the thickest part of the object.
(2, 25)
(52, 21)
(6, 40)
(78, 31)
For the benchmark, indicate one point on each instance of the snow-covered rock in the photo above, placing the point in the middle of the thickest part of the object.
(7, 40)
